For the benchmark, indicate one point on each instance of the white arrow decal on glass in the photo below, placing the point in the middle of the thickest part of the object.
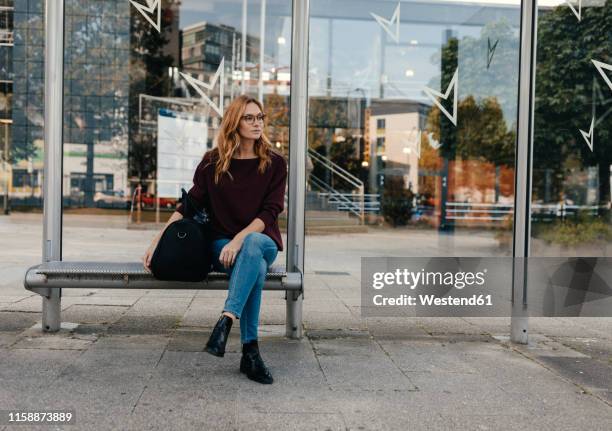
(589, 137)
(599, 99)
(578, 12)
(432, 142)
(148, 10)
(452, 86)
(198, 86)
(600, 68)
(490, 51)
(387, 24)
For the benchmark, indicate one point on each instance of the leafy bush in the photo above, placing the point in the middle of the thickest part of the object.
(396, 201)
(573, 232)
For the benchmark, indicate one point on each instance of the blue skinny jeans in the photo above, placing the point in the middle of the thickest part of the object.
(247, 278)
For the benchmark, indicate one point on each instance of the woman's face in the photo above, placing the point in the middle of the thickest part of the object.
(254, 129)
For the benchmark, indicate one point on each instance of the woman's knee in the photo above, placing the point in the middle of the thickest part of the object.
(254, 238)
(253, 243)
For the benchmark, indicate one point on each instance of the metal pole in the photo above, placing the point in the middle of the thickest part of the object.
(524, 153)
(52, 191)
(362, 204)
(157, 207)
(7, 166)
(233, 63)
(297, 160)
(262, 45)
(243, 40)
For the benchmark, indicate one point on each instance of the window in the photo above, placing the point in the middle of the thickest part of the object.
(212, 49)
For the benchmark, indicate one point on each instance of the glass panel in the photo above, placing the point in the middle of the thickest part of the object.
(412, 129)
(144, 94)
(572, 154)
(21, 104)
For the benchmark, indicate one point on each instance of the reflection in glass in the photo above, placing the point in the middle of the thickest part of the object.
(143, 102)
(412, 127)
(21, 104)
(572, 164)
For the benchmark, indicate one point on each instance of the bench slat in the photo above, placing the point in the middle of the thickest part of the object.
(131, 275)
(118, 268)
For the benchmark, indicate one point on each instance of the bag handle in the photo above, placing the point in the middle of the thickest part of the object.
(191, 210)
(187, 203)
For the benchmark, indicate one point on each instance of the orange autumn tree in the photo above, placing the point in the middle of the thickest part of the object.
(482, 138)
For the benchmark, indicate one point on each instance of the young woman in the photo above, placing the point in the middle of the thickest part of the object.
(241, 182)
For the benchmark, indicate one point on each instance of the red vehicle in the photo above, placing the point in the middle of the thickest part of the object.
(149, 200)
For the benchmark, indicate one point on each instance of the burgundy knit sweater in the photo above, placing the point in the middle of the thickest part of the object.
(234, 204)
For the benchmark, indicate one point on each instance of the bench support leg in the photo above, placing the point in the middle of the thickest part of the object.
(51, 312)
(294, 314)
(519, 325)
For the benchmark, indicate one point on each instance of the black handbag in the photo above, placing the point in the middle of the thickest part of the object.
(184, 252)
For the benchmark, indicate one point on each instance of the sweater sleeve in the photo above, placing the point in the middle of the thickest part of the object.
(274, 200)
(198, 191)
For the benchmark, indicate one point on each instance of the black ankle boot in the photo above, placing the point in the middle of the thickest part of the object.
(218, 337)
(252, 365)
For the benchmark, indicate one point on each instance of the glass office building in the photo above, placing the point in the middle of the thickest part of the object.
(411, 128)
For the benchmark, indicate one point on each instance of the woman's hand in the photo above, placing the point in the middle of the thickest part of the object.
(228, 254)
(146, 259)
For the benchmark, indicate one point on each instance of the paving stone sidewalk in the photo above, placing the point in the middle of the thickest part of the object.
(127, 367)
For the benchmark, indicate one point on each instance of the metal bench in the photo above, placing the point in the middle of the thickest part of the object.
(57, 275)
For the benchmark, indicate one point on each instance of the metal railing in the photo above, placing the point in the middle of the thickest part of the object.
(478, 211)
(367, 203)
(339, 197)
(549, 212)
(500, 212)
(340, 201)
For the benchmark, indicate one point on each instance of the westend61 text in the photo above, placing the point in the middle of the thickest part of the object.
(408, 300)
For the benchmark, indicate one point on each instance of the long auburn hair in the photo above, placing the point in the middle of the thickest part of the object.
(228, 139)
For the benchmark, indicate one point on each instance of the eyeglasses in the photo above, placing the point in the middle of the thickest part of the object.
(250, 119)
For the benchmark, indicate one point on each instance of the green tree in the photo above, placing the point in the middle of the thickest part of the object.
(488, 80)
(344, 154)
(566, 95)
(488, 66)
(481, 131)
